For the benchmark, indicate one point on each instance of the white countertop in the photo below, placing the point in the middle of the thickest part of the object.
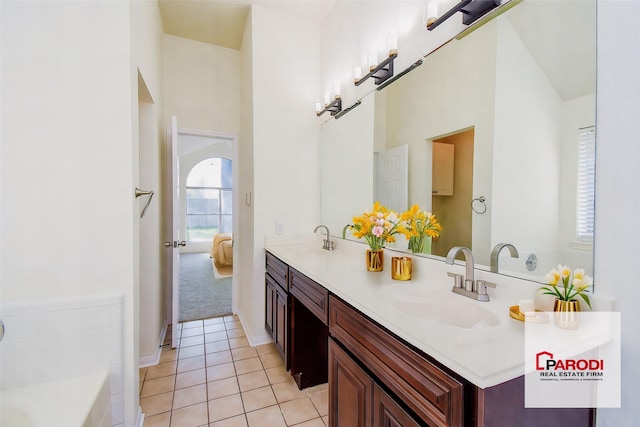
(483, 344)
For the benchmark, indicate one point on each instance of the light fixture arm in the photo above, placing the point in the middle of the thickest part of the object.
(333, 107)
(380, 73)
(471, 11)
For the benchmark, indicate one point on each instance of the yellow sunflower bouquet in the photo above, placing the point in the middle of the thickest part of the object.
(417, 225)
(377, 226)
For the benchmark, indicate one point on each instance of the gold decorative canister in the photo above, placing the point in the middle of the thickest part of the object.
(401, 268)
(566, 314)
(375, 260)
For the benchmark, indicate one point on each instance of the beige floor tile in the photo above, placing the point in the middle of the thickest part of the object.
(190, 363)
(277, 375)
(191, 416)
(236, 324)
(272, 360)
(189, 396)
(215, 327)
(287, 390)
(215, 336)
(237, 421)
(325, 419)
(168, 355)
(161, 370)
(191, 378)
(219, 358)
(193, 332)
(316, 422)
(270, 416)
(235, 333)
(243, 353)
(157, 404)
(224, 370)
(299, 410)
(265, 349)
(192, 324)
(223, 387)
(252, 380)
(159, 420)
(238, 342)
(245, 366)
(225, 407)
(192, 351)
(213, 347)
(141, 373)
(189, 341)
(316, 389)
(321, 402)
(214, 321)
(258, 398)
(231, 318)
(158, 386)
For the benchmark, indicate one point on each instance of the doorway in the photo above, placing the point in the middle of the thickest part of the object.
(205, 206)
(452, 207)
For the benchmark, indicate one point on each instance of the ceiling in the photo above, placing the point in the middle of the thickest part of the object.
(221, 22)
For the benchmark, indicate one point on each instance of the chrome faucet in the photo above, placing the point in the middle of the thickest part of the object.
(327, 243)
(467, 286)
(344, 231)
(496, 252)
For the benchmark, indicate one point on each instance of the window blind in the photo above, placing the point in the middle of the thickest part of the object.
(586, 184)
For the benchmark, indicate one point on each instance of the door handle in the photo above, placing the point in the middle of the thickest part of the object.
(174, 244)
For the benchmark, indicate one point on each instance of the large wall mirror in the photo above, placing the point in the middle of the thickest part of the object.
(516, 101)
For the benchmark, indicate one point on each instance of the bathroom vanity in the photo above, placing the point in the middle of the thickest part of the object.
(399, 353)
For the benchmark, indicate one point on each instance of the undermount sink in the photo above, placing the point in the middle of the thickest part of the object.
(450, 310)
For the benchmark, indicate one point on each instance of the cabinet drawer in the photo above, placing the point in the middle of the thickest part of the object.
(429, 392)
(278, 270)
(309, 293)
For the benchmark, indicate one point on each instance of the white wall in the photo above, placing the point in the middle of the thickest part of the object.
(285, 132)
(201, 85)
(617, 201)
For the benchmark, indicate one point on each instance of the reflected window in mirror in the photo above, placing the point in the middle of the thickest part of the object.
(586, 184)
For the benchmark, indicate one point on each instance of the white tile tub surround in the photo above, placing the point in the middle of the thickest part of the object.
(57, 339)
(82, 401)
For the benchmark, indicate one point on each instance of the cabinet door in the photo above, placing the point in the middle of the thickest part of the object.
(350, 390)
(269, 298)
(281, 331)
(442, 172)
(387, 412)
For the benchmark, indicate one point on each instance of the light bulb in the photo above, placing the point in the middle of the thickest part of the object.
(392, 44)
(357, 73)
(373, 60)
(432, 12)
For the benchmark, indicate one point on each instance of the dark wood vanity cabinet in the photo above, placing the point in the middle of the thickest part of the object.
(430, 395)
(277, 306)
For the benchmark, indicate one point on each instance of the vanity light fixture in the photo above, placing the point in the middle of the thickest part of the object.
(333, 107)
(379, 72)
(471, 10)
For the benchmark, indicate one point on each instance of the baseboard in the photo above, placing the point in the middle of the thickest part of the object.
(154, 359)
(140, 418)
(254, 340)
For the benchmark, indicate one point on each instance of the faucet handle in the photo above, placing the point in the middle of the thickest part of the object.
(328, 244)
(457, 279)
(481, 286)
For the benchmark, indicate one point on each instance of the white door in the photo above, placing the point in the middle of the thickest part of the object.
(393, 178)
(172, 230)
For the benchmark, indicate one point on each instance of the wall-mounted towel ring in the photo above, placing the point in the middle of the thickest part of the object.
(148, 193)
(479, 207)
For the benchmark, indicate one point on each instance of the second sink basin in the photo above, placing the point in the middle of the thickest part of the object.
(450, 310)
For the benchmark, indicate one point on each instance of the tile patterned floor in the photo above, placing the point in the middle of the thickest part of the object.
(215, 379)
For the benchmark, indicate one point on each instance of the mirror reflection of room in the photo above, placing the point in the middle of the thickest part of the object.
(522, 97)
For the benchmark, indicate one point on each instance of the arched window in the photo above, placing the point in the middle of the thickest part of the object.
(209, 199)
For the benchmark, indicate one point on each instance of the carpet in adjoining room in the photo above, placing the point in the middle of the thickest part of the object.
(201, 295)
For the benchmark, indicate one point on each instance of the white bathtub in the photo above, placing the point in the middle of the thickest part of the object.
(83, 401)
